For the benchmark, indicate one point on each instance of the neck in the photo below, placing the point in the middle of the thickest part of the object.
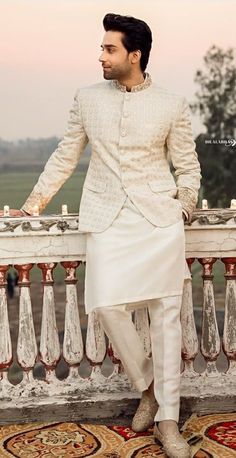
(132, 80)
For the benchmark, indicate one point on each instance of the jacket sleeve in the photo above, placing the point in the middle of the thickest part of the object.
(181, 148)
(61, 163)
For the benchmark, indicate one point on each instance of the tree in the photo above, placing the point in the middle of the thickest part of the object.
(216, 105)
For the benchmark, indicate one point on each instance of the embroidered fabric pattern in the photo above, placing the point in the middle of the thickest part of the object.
(130, 148)
(188, 199)
(147, 82)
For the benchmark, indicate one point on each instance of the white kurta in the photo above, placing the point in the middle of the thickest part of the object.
(133, 261)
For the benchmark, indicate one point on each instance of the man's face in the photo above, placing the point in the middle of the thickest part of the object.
(115, 59)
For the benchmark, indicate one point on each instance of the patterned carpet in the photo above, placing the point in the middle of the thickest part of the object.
(211, 436)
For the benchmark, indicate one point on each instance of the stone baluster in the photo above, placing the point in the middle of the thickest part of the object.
(49, 340)
(189, 333)
(73, 342)
(229, 333)
(141, 321)
(26, 343)
(210, 339)
(95, 347)
(5, 337)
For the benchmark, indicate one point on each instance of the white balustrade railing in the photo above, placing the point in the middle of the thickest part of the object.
(47, 240)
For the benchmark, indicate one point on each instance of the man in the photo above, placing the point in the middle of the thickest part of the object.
(132, 211)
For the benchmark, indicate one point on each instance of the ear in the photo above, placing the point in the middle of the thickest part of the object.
(136, 56)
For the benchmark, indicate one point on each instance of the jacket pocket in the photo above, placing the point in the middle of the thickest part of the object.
(96, 186)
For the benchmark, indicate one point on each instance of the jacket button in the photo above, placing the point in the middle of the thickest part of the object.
(123, 133)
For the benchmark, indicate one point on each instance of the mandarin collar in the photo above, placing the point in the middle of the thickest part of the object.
(146, 83)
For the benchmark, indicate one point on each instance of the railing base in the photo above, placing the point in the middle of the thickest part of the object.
(93, 407)
(206, 406)
(102, 408)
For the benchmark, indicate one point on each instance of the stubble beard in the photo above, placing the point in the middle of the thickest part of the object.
(108, 75)
(115, 74)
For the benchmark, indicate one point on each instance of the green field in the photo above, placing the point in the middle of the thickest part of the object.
(15, 188)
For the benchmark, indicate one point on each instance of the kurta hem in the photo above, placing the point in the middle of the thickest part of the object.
(140, 299)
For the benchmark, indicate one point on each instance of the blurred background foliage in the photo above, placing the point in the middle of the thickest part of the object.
(216, 105)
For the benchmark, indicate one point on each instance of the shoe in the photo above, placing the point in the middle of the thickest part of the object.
(174, 445)
(145, 414)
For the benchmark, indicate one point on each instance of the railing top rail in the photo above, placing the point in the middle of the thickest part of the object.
(55, 238)
(209, 217)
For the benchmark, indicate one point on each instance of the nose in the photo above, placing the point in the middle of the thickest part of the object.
(101, 58)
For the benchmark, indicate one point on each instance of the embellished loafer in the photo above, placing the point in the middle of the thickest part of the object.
(174, 445)
(145, 414)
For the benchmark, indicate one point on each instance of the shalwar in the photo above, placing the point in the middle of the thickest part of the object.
(164, 366)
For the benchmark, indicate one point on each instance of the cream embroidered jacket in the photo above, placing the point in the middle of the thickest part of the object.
(132, 135)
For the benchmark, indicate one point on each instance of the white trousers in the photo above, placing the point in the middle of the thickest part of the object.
(164, 365)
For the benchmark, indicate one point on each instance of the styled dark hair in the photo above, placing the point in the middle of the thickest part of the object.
(136, 34)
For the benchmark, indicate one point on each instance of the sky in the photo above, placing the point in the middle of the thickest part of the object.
(49, 48)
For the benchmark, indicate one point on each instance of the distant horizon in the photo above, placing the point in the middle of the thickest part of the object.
(49, 49)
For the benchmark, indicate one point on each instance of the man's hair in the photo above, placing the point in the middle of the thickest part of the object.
(136, 34)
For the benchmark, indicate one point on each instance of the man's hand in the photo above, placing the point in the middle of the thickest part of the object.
(13, 213)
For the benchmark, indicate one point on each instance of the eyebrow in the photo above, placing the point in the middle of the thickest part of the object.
(108, 46)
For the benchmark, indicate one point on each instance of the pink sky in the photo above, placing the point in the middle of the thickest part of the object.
(48, 48)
